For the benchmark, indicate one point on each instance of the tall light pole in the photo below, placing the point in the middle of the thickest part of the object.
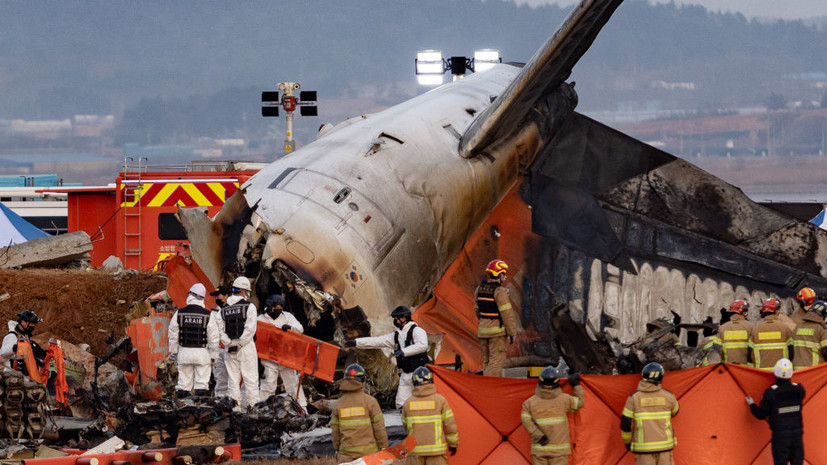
(430, 66)
(306, 102)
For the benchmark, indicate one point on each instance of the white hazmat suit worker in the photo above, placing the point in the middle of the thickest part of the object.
(193, 343)
(237, 326)
(409, 344)
(275, 315)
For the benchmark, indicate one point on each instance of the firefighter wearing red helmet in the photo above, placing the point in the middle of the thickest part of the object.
(770, 340)
(810, 337)
(805, 298)
(497, 323)
(732, 340)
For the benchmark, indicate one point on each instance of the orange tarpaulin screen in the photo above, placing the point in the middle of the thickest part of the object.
(714, 425)
(297, 351)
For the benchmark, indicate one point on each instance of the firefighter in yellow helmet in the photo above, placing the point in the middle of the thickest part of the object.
(497, 323)
(646, 423)
(805, 298)
(356, 421)
(770, 341)
(428, 417)
(544, 417)
(810, 337)
(732, 340)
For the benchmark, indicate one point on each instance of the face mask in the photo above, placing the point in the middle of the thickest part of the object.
(274, 312)
(399, 323)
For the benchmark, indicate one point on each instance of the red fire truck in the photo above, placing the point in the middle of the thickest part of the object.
(134, 218)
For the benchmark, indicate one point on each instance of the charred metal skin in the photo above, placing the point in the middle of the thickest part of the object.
(374, 211)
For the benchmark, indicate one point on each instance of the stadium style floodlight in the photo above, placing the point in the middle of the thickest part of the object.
(430, 66)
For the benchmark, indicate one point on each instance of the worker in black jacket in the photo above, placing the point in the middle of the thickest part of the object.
(782, 404)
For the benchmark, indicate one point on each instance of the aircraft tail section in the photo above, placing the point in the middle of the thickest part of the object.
(550, 66)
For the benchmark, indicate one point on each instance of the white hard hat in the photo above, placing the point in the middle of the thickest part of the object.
(242, 282)
(198, 290)
(784, 369)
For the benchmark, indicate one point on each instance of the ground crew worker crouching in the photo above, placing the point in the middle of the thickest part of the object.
(810, 337)
(805, 298)
(356, 421)
(770, 340)
(544, 418)
(428, 417)
(646, 424)
(782, 404)
(275, 315)
(237, 327)
(732, 340)
(193, 344)
(497, 323)
(409, 343)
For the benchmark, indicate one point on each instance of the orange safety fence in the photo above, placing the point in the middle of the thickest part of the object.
(308, 355)
(714, 425)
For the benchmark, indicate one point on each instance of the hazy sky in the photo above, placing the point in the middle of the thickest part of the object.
(786, 9)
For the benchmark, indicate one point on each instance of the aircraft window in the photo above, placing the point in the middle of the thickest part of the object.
(471, 111)
(280, 178)
(169, 228)
(341, 195)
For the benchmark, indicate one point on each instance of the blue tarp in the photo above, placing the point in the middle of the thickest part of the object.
(14, 229)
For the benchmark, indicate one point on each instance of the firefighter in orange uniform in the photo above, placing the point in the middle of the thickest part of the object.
(646, 424)
(428, 417)
(497, 323)
(357, 423)
(810, 337)
(732, 340)
(544, 417)
(770, 340)
(805, 298)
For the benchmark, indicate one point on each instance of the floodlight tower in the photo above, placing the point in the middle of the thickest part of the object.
(306, 102)
(430, 66)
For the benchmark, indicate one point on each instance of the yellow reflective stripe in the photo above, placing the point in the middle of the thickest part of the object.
(448, 414)
(453, 437)
(653, 415)
(550, 447)
(551, 420)
(654, 446)
(424, 418)
(576, 403)
(626, 436)
(736, 335)
(807, 344)
(377, 418)
(492, 330)
(525, 415)
(805, 332)
(430, 448)
(357, 422)
(628, 413)
(771, 345)
(505, 306)
(735, 345)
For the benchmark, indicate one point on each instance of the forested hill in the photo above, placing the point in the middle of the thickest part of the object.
(60, 57)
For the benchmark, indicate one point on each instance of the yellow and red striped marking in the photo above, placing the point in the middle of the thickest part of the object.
(183, 194)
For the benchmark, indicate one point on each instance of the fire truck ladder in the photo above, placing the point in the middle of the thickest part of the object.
(132, 191)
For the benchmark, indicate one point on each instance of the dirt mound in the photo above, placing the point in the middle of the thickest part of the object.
(79, 306)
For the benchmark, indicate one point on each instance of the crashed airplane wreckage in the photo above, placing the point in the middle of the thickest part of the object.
(602, 233)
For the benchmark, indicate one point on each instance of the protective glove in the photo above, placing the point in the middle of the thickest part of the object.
(574, 379)
(350, 343)
(398, 353)
(628, 447)
(232, 349)
(173, 357)
(452, 450)
(543, 440)
(213, 362)
(285, 327)
(750, 401)
(511, 339)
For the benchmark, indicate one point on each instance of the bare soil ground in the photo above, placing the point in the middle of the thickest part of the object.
(79, 306)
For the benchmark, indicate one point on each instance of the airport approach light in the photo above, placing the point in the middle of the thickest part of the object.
(306, 102)
(430, 66)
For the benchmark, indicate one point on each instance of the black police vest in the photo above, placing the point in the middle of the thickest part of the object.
(234, 317)
(410, 363)
(192, 326)
(486, 306)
